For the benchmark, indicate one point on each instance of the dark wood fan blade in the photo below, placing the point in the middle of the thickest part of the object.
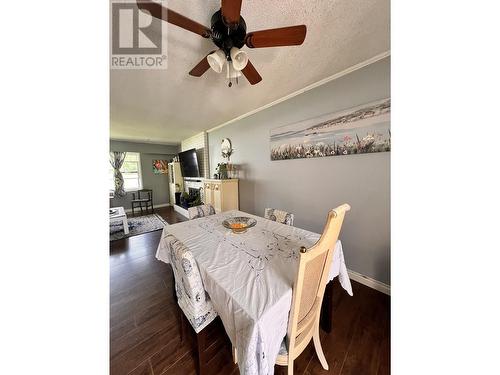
(174, 18)
(231, 12)
(284, 36)
(251, 73)
(200, 68)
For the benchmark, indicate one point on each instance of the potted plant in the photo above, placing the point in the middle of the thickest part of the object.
(222, 170)
(184, 199)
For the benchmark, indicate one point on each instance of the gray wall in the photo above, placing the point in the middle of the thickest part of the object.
(311, 187)
(149, 152)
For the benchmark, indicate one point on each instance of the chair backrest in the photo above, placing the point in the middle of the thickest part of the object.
(191, 295)
(200, 211)
(149, 193)
(279, 216)
(310, 283)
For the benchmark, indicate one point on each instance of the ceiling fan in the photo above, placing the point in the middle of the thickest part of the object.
(229, 32)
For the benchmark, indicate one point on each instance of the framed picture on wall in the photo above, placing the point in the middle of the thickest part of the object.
(160, 167)
(360, 130)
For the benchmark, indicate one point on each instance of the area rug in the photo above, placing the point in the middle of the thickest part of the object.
(136, 225)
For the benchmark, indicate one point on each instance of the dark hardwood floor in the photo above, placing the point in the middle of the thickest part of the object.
(145, 337)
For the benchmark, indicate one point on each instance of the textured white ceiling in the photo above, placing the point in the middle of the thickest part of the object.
(170, 105)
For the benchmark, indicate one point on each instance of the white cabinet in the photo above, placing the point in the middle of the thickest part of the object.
(174, 178)
(222, 194)
(209, 197)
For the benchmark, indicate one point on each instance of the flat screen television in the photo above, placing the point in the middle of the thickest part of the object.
(189, 163)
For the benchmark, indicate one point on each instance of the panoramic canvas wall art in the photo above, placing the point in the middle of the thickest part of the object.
(160, 167)
(359, 130)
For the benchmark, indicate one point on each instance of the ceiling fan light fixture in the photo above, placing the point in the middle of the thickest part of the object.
(216, 60)
(228, 29)
(231, 71)
(239, 58)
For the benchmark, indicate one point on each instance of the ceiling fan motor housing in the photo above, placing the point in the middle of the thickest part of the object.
(224, 37)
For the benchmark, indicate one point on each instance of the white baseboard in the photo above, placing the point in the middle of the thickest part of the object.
(369, 282)
(129, 210)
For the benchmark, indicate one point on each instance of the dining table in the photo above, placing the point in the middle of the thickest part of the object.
(249, 278)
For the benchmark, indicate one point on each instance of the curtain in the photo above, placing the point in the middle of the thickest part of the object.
(116, 159)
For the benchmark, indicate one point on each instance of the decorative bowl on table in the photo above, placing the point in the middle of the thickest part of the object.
(239, 224)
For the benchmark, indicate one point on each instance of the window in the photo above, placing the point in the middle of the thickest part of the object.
(131, 172)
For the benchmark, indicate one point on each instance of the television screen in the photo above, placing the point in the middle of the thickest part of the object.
(189, 163)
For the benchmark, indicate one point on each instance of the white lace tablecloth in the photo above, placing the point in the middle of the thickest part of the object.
(249, 279)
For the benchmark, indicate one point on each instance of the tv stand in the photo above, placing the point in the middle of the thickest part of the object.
(192, 200)
(181, 210)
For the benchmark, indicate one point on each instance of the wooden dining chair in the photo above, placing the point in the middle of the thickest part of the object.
(308, 291)
(200, 211)
(279, 216)
(191, 296)
(142, 198)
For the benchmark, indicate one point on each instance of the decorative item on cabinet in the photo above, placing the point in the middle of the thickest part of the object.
(231, 170)
(226, 149)
(222, 171)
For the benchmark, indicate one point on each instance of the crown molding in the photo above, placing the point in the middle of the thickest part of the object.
(148, 141)
(335, 76)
